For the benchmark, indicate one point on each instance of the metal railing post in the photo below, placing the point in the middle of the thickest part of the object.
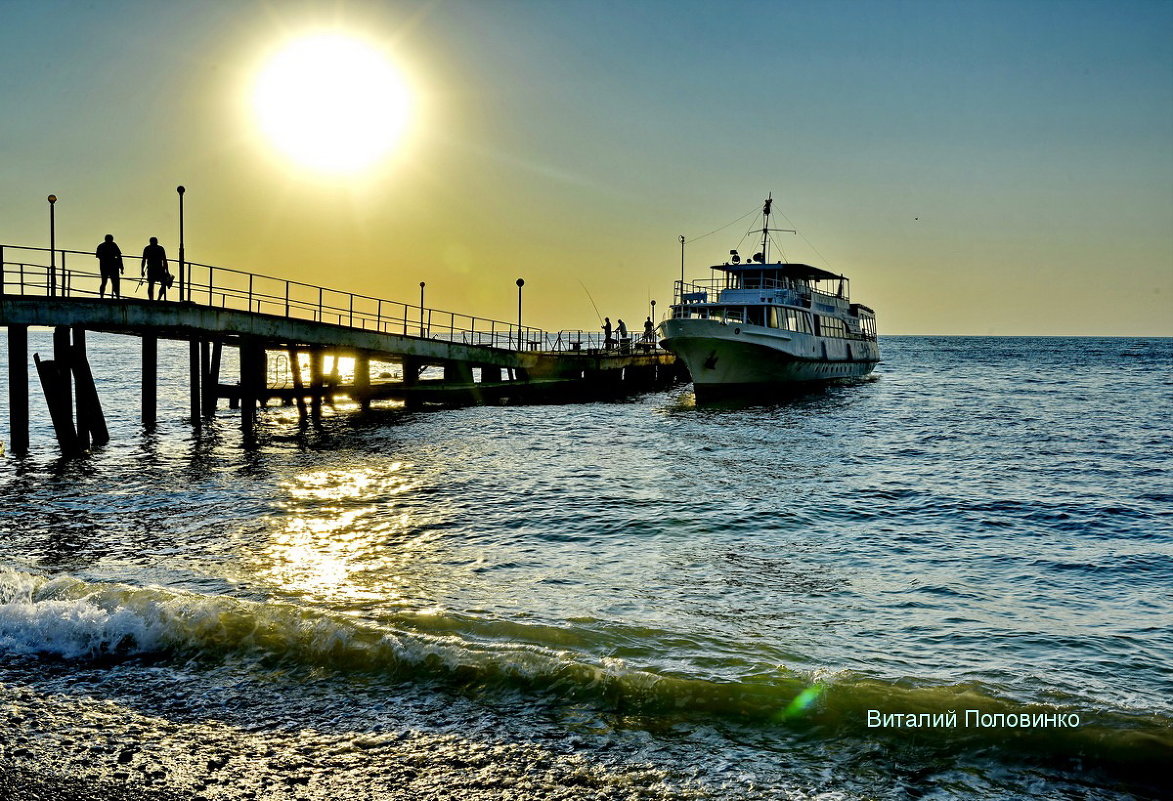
(320, 318)
(250, 293)
(211, 275)
(286, 298)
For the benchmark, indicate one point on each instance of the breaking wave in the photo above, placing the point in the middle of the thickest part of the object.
(70, 619)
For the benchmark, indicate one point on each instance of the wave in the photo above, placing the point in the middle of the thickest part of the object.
(66, 618)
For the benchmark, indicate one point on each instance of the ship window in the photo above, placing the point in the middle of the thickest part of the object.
(772, 318)
(756, 315)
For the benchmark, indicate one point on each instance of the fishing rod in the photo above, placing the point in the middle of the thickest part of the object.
(592, 300)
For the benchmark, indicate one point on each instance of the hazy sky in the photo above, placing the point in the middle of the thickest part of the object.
(568, 142)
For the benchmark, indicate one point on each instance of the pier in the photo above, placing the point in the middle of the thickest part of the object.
(291, 339)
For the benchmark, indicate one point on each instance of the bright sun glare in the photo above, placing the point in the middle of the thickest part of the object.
(331, 102)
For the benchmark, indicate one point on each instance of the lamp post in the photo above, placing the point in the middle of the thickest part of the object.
(182, 264)
(682, 262)
(52, 245)
(520, 284)
(421, 308)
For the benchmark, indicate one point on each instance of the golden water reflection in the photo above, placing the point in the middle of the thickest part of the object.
(347, 536)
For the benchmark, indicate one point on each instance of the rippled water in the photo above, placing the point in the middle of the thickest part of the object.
(629, 600)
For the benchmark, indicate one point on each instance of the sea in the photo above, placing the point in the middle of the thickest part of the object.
(951, 580)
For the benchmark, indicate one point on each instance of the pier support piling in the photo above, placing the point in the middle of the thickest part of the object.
(18, 388)
(58, 396)
(210, 353)
(317, 381)
(252, 379)
(194, 369)
(91, 421)
(458, 372)
(362, 380)
(298, 384)
(150, 375)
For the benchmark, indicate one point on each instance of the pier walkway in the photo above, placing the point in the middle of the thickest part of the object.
(310, 330)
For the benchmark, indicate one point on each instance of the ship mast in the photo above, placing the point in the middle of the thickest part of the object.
(766, 229)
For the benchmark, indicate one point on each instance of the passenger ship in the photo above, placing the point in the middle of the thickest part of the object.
(764, 327)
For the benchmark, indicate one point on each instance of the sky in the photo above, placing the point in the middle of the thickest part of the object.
(999, 168)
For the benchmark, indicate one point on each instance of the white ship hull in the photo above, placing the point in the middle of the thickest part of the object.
(730, 358)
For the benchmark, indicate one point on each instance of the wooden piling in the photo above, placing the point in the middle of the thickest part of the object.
(58, 397)
(62, 355)
(18, 388)
(150, 374)
(91, 421)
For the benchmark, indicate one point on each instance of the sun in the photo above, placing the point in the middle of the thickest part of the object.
(331, 102)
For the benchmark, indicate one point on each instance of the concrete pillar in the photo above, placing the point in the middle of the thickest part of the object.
(298, 385)
(411, 371)
(18, 388)
(362, 380)
(194, 370)
(317, 382)
(490, 375)
(210, 354)
(150, 374)
(458, 373)
(252, 377)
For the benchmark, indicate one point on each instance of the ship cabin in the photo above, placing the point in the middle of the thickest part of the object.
(793, 297)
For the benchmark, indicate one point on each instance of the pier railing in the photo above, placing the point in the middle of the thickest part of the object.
(24, 272)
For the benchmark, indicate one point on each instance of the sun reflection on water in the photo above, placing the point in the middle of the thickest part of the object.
(344, 535)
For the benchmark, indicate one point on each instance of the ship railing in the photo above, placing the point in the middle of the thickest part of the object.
(39, 272)
(719, 290)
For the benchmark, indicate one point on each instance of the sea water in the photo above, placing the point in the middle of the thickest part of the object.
(952, 580)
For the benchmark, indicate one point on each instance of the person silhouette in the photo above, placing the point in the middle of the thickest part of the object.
(607, 341)
(110, 266)
(649, 330)
(154, 267)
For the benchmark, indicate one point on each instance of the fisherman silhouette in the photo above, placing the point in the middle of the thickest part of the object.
(649, 330)
(154, 267)
(607, 341)
(110, 266)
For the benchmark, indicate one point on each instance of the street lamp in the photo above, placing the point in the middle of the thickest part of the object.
(520, 284)
(421, 308)
(52, 246)
(182, 265)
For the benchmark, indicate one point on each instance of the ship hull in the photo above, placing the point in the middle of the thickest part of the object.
(727, 359)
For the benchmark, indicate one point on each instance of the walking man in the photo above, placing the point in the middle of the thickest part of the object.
(110, 266)
(154, 267)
